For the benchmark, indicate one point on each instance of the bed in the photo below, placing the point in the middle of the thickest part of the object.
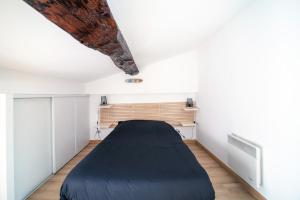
(139, 160)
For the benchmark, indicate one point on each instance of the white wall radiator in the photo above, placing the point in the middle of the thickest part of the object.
(245, 159)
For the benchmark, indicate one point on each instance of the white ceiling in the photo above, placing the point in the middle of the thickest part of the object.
(153, 29)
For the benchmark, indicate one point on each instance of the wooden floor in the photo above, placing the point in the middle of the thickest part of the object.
(225, 185)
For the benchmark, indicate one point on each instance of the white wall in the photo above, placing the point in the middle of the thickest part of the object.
(23, 83)
(249, 85)
(6, 147)
(3, 148)
(174, 75)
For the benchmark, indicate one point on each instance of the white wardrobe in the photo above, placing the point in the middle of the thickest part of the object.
(32, 144)
(70, 128)
(48, 132)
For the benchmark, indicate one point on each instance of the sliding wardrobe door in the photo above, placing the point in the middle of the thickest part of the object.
(82, 122)
(63, 111)
(32, 144)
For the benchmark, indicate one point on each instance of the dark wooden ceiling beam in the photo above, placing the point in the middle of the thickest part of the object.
(92, 24)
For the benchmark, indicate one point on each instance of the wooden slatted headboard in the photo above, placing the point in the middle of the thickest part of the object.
(174, 113)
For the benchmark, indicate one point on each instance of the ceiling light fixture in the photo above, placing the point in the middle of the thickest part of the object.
(134, 80)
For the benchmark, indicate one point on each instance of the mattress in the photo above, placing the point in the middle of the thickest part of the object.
(139, 160)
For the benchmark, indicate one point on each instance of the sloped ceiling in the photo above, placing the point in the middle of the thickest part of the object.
(154, 30)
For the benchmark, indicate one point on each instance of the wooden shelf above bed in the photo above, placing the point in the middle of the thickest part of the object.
(190, 108)
(187, 124)
(180, 124)
(108, 125)
(105, 106)
(174, 113)
(105, 125)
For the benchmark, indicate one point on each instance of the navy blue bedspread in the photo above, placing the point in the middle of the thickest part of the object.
(139, 160)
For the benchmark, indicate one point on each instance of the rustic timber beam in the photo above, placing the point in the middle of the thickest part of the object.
(92, 24)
